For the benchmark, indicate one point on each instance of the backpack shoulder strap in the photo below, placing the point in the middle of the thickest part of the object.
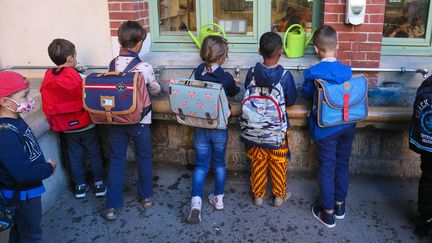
(133, 63)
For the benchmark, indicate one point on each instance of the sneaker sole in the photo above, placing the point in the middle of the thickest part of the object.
(78, 196)
(101, 194)
(322, 222)
(109, 218)
(194, 217)
(340, 217)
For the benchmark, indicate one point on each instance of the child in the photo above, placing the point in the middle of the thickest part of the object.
(269, 73)
(210, 144)
(421, 142)
(333, 143)
(22, 164)
(131, 36)
(80, 134)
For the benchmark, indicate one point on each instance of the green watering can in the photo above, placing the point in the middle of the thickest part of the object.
(297, 42)
(206, 31)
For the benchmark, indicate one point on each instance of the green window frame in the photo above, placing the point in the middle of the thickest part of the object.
(410, 46)
(204, 14)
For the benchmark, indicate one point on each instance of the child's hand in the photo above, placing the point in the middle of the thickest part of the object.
(52, 163)
(237, 81)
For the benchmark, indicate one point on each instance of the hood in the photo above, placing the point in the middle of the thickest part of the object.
(332, 72)
(263, 75)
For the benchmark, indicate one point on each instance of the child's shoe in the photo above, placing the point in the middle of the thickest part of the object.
(109, 213)
(328, 219)
(278, 202)
(99, 189)
(259, 201)
(195, 213)
(81, 190)
(339, 211)
(217, 201)
(147, 202)
(423, 226)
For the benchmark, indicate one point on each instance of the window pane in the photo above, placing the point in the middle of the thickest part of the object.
(288, 12)
(176, 16)
(406, 18)
(235, 17)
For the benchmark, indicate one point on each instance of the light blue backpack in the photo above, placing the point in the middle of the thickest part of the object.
(263, 119)
(199, 103)
(344, 103)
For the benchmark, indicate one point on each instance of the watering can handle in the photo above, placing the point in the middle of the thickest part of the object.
(287, 31)
(219, 27)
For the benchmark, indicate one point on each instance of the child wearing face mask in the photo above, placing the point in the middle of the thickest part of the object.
(22, 163)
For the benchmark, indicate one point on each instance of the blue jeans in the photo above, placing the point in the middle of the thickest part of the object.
(78, 144)
(119, 135)
(210, 145)
(333, 155)
(28, 217)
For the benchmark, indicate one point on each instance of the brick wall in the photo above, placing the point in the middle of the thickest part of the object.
(122, 10)
(359, 46)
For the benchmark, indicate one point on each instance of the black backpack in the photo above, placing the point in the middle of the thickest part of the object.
(420, 138)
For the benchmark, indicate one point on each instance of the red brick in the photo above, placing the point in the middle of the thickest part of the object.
(345, 55)
(366, 46)
(332, 1)
(115, 24)
(376, 18)
(113, 32)
(364, 64)
(331, 18)
(334, 8)
(375, 37)
(341, 27)
(373, 56)
(341, 18)
(128, 6)
(346, 62)
(145, 13)
(123, 15)
(350, 36)
(146, 5)
(344, 46)
(375, 9)
(114, 6)
(378, 1)
(369, 28)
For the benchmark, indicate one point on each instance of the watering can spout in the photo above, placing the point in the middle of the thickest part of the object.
(309, 39)
(194, 39)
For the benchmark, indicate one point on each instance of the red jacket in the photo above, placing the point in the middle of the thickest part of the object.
(62, 100)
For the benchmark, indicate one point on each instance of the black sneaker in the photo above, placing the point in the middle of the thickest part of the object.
(81, 190)
(339, 211)
(325, 218)
(423, 226)
(99, 189)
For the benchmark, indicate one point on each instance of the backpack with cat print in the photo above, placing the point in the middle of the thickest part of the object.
(263, 119)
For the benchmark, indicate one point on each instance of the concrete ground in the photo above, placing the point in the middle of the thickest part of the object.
(378, 210)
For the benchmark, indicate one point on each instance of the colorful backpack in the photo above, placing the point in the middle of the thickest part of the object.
(199, 103)
(336, 104)
(63, 112)
(263, 119)
(420, 138)
(117, 97)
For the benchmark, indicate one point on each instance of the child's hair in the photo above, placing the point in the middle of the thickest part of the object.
(270, 43)
(131, 33)
(325, 38)
(214, 49)
(59, 50)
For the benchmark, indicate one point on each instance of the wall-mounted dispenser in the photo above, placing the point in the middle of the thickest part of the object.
(355, 12)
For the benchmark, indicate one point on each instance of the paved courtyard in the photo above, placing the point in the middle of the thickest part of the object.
(378, 210)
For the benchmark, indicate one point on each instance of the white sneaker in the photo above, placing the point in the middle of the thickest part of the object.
(195, 213)
(217, 201)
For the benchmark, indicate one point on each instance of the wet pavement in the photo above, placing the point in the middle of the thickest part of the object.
(378, 210)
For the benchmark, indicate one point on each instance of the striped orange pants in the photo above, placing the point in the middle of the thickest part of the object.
(261, 159)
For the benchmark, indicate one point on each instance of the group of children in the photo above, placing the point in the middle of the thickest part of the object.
(23, 170)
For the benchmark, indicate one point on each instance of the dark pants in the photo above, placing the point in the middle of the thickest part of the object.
(120, 134)
(27, 218)
(78, 144)
(333, 155)
(425, 187)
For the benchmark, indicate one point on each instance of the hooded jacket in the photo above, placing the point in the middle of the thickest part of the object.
(269, 76)
(218, 76)
(332, 72)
